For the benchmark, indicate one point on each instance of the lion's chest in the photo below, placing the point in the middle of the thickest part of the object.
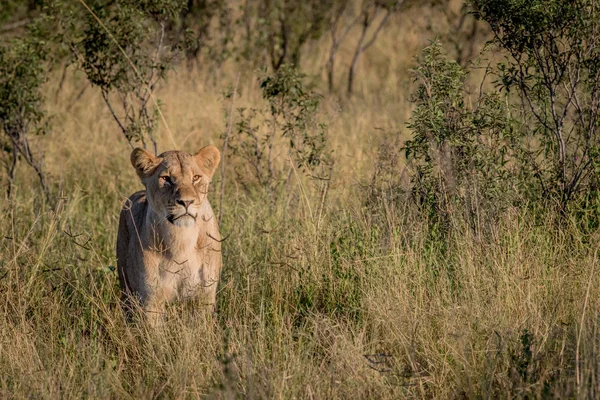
(174, 274)
(182, 273)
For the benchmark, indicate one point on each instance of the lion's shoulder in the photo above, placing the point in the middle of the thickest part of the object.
(134, 209)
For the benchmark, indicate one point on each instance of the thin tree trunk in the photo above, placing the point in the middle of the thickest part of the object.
(367, 22)
(336, 43)
(357, 52)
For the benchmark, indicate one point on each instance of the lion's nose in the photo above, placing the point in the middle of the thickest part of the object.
(185, 203)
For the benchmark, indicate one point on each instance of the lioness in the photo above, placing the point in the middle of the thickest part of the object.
(168, 245)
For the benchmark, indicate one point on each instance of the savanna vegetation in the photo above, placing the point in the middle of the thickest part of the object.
(409, 196)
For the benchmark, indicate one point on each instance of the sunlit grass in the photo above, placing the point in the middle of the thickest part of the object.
(321, 296)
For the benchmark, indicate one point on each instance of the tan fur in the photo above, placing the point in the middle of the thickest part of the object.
(167, 248)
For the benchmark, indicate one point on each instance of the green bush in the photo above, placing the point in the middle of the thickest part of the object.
(23, 69)
(462, 150)
(280, 29)
(290, 119)
(553, 69)
(123, 49)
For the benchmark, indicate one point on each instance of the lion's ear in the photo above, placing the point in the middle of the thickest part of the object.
(144, 162)
(208, 159)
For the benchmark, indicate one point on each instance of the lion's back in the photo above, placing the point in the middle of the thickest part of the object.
(131, 221)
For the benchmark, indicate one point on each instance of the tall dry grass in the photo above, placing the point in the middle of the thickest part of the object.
(318, 298)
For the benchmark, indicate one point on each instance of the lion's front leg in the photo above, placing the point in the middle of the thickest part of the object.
(211, 294)
(154, 305)
(154, 314)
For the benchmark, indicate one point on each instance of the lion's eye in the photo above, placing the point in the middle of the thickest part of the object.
(166, 179)
(197, 178)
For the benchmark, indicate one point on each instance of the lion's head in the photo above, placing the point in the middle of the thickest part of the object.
(176, 182)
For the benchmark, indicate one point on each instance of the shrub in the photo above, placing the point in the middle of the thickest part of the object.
(122, 49)
(282, 28)
(22, 73)
(288, 128)
(553, 67)
(461, 153)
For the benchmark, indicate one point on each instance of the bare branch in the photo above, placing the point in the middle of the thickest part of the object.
(114, 115)
(385, 19)
(360, 47)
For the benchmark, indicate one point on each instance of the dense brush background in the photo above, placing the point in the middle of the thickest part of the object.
(332, 289)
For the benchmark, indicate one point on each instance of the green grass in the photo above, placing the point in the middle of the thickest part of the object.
(333, 308)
